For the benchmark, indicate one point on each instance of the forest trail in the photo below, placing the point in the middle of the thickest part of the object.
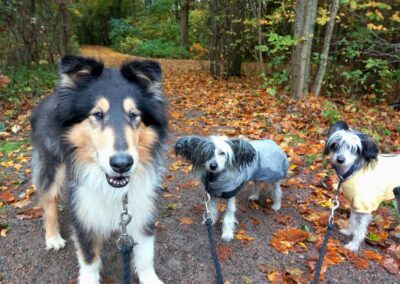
(269, 247)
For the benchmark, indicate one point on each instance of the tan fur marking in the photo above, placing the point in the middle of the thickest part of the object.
(90, 140)
(49, 203)
(102, 104)
(129, 105)
(142, 139)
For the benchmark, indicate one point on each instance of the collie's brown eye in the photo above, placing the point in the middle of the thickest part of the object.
(99, 115)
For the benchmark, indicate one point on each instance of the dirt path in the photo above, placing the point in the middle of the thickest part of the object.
(182, 250)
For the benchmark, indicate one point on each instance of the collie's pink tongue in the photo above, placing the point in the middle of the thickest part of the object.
(119, 181)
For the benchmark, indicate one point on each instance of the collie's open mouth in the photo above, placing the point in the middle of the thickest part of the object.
(119, 181)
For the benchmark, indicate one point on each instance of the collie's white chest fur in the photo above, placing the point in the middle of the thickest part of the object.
(98, 206)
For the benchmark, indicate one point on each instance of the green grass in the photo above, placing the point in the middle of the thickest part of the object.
(11, 146)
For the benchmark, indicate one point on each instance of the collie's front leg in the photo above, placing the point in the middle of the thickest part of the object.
(229, 222)
(144, 254)
(88, 249)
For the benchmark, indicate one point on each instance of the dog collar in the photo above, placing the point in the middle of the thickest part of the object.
(354, 167)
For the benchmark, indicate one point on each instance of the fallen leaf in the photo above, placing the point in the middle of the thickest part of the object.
(372, 255)
(8, 197)
(284, 240)
(30, 214)
(359, 261)
(391, 265)
(224, 252)
(186, 221)
(241, 236)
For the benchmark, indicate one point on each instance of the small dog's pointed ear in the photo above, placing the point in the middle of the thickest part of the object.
(76, 70)
(340, 125)
(370, 149)
(146, 73)
(244, 152)
(186, 146)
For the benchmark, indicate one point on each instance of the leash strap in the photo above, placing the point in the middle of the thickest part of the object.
(207, 217)
(125, 242)
(214, 254)
(331, 224)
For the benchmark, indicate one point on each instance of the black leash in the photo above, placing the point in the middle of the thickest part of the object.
(207, 217)
(331, 222)
(125, 242)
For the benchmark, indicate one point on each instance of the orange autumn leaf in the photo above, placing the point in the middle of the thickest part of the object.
(241, 236)
(284, 240)
(34, 213)
(359, 261)
(186, 221)
(371, 255)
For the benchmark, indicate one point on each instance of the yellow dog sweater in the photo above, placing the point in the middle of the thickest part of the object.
(373, 184)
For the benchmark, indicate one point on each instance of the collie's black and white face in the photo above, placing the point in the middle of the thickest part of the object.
(346, 147)
(215, 154)
(115, 119)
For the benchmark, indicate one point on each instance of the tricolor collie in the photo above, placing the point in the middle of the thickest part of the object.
(226, 165)
(368, 178)
(99, 135)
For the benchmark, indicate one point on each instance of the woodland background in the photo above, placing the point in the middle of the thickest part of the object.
(283, 70)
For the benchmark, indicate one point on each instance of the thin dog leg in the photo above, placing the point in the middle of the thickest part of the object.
(255, 195)
(277, 192)
(360, 231)
(214, 210)
(352, 224)
(229, 222)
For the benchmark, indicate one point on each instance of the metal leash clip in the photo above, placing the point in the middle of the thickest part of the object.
(334, 206)
(207, 213)
(125, 218)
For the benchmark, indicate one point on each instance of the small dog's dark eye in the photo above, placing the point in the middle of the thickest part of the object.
(132, 115)
(222, 153)
(99, 115)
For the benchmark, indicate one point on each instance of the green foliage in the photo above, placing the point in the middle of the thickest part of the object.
(35, 80)
(331, 112)
(160, 49)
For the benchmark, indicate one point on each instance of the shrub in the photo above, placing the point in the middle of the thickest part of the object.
(161, 49)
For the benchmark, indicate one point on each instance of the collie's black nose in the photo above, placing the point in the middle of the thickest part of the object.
(213, 166)
(121, 163)
(340, 159)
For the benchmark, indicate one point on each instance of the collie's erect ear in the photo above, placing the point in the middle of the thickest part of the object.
(340, 125)
(370, 149)
(77, 70)
(186, 146)
(146, 73)
(244, 152)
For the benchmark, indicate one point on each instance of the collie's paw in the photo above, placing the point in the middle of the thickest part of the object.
(56, 243)
(89, 278)
(227, 236)
(353, 246)
(254, 197)
(345, 232)
(276, 207)
(150, 278)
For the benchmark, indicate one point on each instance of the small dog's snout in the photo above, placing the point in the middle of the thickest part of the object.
(340, 159)
(213, 166)
(121, 163)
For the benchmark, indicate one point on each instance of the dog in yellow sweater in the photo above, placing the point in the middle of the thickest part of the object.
(368, 178)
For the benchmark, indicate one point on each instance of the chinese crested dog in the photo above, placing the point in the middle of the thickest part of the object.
(368, 178)
(100, 135)
(226, 165)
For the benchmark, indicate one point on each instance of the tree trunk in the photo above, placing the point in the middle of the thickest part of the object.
(215, 40)
(316, 87)
(185, 23)
(301, 56)
(65, 32)
(260, 42)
